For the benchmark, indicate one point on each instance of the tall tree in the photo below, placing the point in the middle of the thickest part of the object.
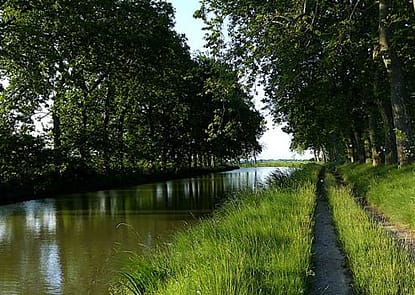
(120, 89)
(398, 94)
(302, 49)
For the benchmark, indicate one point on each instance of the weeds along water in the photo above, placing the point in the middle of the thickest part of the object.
(257, 243)
(379, 266)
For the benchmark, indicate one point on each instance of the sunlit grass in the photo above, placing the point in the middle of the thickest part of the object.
(388, 188)
(379, 266)
(258, 243)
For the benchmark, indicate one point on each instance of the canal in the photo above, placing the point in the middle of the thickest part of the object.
(75, 244)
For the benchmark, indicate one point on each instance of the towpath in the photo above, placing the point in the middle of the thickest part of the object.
(331, 276)
(403, 235)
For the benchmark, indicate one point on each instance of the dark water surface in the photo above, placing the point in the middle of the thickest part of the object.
(75, 244)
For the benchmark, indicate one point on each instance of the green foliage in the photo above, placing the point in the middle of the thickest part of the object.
(321, 67)
(119, 90)
(239, 250)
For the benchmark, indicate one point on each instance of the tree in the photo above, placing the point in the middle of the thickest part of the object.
(398, 94)
(301, 50)
(231, 127)
(121, 90)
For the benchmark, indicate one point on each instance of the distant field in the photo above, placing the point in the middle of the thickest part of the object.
(276, 163)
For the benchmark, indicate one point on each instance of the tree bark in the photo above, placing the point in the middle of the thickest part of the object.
(359, 154)
(397, 84)
(106, 143)
(373, 142)
(57, 134)
(389, 151)
(121, 144)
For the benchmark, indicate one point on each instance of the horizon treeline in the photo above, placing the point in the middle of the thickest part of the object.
(339, 73)
(108, 87)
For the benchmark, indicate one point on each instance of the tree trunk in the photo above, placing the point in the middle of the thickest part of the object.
(106, 143)
(121, 144)
(372, 141)
(317, 155)
(57, 134)
(83, 144)
(397, 83)
(389, 151)
(334, 151)
(359, 149)
(350, 153)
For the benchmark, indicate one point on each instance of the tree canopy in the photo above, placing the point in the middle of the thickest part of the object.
(337, 72)
(108, 87)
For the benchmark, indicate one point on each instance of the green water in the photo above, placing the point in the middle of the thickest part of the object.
(76, 244)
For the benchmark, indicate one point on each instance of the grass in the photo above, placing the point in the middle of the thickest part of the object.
(257, 243)
(387, 188)
(379, 266)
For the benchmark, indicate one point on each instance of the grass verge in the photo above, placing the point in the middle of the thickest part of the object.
(257, 243)
(387, 188)
(379, 266)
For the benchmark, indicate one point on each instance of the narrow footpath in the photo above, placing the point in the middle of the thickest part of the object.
(404, 236)
(331, 276)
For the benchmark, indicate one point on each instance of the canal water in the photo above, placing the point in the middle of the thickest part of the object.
(76, 244)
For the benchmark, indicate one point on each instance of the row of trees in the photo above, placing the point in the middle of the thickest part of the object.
(107, 86)
(337, 72)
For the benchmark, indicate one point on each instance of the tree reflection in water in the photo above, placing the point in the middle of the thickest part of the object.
(67, 245)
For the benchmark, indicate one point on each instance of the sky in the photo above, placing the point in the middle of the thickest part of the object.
(276, 143)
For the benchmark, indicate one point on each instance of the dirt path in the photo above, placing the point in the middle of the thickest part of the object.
(331, 275)
(404, 236)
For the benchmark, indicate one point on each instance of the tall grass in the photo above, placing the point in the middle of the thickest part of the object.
(379, 266)
(388, 188)
(257, 243)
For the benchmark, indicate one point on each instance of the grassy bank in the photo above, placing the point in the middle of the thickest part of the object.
(379, 266)
(388, 188)
(257, 243)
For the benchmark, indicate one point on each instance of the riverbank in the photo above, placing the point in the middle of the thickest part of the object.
(239, 250)
(82, 181)
(92, 233)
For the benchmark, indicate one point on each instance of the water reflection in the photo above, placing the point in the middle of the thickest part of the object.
(4, 233)
(68, 245)
(50, 267)
(40, 216)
